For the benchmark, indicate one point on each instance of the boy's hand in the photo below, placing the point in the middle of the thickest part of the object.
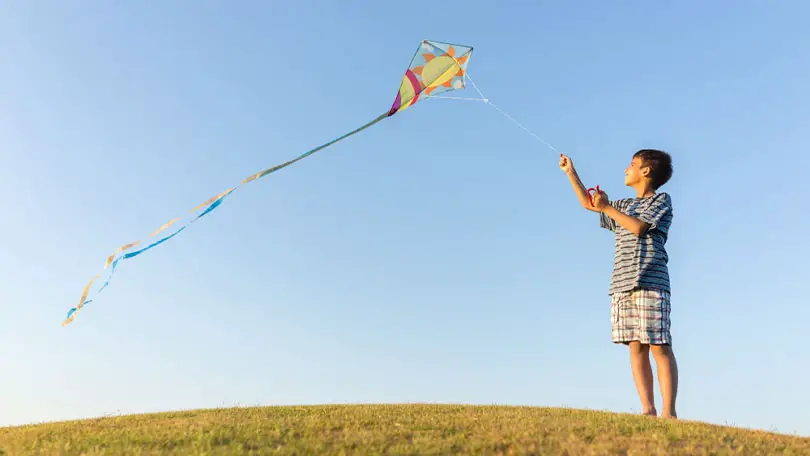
(566, 164)
(600, 200)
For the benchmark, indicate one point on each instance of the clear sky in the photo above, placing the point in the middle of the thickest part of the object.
(439, 256)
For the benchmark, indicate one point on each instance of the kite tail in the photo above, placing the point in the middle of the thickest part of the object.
(123, 253)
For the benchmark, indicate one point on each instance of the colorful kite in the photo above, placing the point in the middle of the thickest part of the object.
(436, 68)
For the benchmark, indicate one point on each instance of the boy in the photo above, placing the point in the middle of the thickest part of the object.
(639, 287)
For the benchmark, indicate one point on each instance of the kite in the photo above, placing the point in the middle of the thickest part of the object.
(436, 68)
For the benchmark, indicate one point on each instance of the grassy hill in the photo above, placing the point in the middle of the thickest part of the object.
(391, 429)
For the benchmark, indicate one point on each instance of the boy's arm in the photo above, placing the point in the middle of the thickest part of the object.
(657, 215)
(630, 223)
(579, 189)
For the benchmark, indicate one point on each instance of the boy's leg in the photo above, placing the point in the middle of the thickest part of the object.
(643, 376)
(667, 369)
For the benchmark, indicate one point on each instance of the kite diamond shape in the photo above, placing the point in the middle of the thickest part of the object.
(436, 68)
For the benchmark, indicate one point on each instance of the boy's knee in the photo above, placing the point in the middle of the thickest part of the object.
(637, 348)
(661, 350)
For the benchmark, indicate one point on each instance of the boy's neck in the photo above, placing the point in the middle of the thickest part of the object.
(643, 190)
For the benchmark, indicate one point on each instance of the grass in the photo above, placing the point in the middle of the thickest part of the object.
(391, 429)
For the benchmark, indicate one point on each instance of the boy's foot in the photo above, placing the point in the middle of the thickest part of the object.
(672, 416)
(651, 412)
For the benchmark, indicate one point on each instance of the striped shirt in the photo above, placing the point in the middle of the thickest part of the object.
(641, 261)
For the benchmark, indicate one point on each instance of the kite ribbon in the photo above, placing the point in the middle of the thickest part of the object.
(209, 206)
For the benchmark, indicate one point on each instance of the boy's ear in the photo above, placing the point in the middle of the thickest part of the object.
(645, 171)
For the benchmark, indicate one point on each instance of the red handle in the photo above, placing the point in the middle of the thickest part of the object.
(590, 197)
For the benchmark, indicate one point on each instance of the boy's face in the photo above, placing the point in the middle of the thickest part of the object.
(635, 173)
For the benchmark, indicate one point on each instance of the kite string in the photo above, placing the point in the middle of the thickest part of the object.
(487, 101)
(524, 128)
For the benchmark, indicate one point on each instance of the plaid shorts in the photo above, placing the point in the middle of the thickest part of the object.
(641, 315)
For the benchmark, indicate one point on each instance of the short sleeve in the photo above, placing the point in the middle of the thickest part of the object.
(659, 213)
(607, 222)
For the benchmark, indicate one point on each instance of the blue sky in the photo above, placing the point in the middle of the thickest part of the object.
(439, 256)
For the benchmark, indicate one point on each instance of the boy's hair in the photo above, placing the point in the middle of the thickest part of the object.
(660, 164)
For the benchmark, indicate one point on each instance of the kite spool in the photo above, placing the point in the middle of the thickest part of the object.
(590, 197)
